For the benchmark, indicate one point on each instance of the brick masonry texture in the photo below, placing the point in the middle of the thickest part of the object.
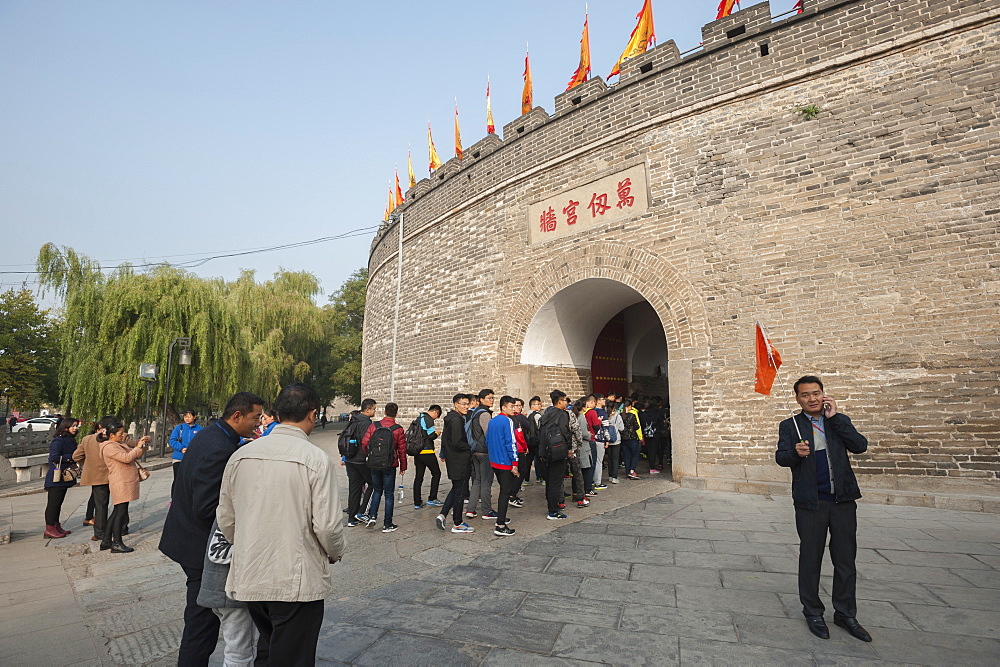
(866, 239)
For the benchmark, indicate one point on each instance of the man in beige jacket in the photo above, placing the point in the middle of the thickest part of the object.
(280, 508)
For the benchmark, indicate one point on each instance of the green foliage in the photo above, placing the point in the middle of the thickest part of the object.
(246, 336)
(808, 112)
(346, 312)
(27, 348)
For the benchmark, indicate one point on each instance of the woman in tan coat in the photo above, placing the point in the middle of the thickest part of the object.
(123, 478)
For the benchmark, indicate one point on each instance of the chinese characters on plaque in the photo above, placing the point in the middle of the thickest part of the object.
(614, 197)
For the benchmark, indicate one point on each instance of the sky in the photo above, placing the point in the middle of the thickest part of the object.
(149, 131)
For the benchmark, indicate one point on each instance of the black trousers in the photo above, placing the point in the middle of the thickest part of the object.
(116, 523)
(90, 508)
(289, 632)
(524, 467)
(613, 456)
(455, 502)
(201, 625)
(556, 472)
(101, 493)
(426, 462)
(508, 484)
(654, 452)
(57, 494)
(359, 483)
(840, 520)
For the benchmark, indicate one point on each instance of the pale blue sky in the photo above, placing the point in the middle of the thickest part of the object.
(138, 129)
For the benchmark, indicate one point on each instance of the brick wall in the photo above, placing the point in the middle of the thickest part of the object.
(866, 239)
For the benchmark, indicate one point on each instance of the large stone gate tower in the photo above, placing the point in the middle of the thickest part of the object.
(634, 236)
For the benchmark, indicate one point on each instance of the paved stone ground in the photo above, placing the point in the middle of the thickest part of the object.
(651, 574)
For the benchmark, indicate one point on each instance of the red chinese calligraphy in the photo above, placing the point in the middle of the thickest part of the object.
(598, 204)
(570, 212)
(625, 197)
(548, 220)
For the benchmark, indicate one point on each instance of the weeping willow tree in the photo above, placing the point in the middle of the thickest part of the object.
(245, 335)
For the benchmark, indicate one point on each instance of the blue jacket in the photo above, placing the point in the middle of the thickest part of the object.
(180, 438)
(501, 443)
(60, 451)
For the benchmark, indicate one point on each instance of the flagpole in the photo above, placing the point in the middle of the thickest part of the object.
(399, 286)
(777, 370)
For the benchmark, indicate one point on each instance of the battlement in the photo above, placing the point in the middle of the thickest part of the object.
(748, 52)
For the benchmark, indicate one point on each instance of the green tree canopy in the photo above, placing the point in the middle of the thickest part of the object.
(340, 368)
(246, 335)
(27, 349)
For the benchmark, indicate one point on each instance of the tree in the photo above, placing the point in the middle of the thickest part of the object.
(245, 335)
(26, 350)
(346, 312)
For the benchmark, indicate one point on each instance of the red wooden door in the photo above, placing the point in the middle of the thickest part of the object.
(608, 366)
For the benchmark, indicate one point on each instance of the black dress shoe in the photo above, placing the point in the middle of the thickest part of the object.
(119, 548)
(852, 626)
(818, 626)
(105, 546)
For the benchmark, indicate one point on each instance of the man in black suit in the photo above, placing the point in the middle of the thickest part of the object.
(197, 481)
(814, 444)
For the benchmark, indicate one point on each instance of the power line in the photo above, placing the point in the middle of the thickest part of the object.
(192, 263)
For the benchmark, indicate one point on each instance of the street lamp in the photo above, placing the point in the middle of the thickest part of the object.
(184, 359)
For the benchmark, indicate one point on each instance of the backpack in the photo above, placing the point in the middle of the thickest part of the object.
(416, 439)
(552, 446)
(348, 442)
(531, 435)
(607, 432)
(381, 447)
(475, 446)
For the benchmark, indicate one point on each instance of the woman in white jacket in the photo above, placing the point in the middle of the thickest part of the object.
(613, 451)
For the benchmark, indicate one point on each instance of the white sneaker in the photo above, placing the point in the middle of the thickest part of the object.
(614, 480)
(463, 528)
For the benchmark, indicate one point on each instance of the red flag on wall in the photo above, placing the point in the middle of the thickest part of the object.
(768, 362)
(583, 69)
(526, 93)
(491, 128)
(798, 7)
(726, 8)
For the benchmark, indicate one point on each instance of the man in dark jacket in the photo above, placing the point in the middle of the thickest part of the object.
(458, 461)
(186, 530)
(555, 470)
(815, 444)
(359, 477)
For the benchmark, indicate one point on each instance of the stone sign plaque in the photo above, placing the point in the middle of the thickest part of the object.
(614, 197)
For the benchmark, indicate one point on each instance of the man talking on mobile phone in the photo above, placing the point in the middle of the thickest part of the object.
(815, 445)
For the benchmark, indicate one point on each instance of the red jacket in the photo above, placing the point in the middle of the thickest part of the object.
(399, 461)
(593, 422)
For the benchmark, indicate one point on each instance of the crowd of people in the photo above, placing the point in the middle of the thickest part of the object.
(478, 446)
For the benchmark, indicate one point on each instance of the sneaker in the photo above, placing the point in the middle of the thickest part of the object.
(654, 471)
(516, 502)
(434, 503)
(463, 528)
(439, 519)
(466, 501)
(614, 480)
(352, 524)
(591, 494)
(388, 529)
(503, 531)
(556, 516)
(542, 482)
(361, 518)
(471, 514)
(600, 487)
(372, 521)
(583, 503)
(562, 506)
(416, 507)
(633, 476)
(488, 515)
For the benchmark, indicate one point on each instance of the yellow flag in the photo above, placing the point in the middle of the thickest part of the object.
(409, 168)
(526, 97)
(388, 207)
(490, 127)
(435, 161)
(458, 135)
(583, 70)
(642, 36)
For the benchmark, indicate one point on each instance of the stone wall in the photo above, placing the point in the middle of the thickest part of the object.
(865, 239)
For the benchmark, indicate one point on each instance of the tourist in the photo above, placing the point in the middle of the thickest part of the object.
(123, 480)
(189, 520)
(477, 426)
(652, 425)
(427, 460)
(239, 634)
(359, 477)
(95, 475)
(631, 435)
(579, 453)
(535, 416)
(458, 463)
(612, 449)
(555, 466)
(502, 450)
(385, 451)
(279, 508)
(527, 448)
(589, 424)
(815, 445)
(181, 436)
(60, 458)
(602, 438)
(268, 420)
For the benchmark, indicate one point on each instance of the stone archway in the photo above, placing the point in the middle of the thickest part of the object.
(563, 307)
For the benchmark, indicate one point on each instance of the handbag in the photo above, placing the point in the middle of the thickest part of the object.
(143, 473)
(71, 472)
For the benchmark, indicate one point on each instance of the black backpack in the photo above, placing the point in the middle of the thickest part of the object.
(348, 442)
(381, 447)
(416, 438)
(532, 434)
(552, 446)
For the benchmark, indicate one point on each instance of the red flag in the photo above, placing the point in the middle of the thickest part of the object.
(726, 8)
(768, 362)
(798, 7)
(526, 93)
(490, 127)
(583, 69)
